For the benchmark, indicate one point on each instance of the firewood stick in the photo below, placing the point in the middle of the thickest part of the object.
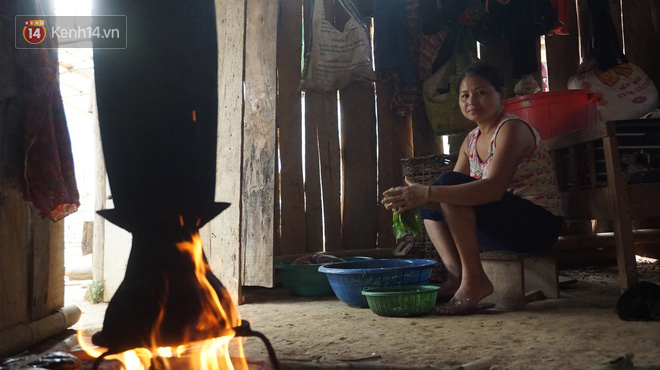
(482, 364)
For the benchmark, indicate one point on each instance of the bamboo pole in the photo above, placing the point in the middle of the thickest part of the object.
(21, 336)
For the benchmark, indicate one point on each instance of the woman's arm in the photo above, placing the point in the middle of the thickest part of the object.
(462, 162)
(514, 141)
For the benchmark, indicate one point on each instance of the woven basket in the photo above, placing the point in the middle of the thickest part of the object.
(425, 170)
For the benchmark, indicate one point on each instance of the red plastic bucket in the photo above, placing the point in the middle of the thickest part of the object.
(556, 112)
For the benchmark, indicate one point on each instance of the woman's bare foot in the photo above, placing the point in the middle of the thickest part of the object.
(458, 306)
(474, 289)
(447, 290)
(467, 299)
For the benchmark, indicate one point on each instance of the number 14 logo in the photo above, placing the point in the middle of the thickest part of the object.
(34, 31)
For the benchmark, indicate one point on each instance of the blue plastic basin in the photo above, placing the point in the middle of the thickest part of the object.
(348, 279)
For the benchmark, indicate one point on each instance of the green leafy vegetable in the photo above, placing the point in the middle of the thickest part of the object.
(409, 222)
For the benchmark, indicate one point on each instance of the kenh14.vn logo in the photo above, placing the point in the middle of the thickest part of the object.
(34, 31)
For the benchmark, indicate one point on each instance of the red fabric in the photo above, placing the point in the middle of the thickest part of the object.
(50, 182)
(561, 7)
(429, 47)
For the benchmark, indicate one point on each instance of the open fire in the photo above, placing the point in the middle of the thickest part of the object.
(216, 318)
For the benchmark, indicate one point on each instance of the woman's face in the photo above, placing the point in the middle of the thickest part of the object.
(479, 101)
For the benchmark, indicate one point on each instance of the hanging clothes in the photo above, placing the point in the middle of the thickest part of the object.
(563, 16)
(438, 30)
(603, 40)
(392, 41)
(430, 47)
(396, 48)
(49, 178)
(49, 172)
(520, 22)
(440, 22)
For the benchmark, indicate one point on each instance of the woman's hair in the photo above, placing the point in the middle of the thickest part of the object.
(486, 71)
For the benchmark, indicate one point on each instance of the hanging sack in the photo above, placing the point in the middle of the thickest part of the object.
(440, 90)
(628, 92)
(336, 58)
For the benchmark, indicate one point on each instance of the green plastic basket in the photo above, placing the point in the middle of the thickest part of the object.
(401, 301)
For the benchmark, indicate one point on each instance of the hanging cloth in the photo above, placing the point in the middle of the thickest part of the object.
(50, 182)
(520, 22)
(396, 51)
(563, 16)
(603, 41)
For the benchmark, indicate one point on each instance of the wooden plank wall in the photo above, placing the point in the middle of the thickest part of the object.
(358, 123)
(45, 265)
(31, 262)
(13, 259)
(322, 162)
(336, 206)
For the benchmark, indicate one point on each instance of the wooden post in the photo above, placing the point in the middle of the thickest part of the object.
(641, 21)
(289, 44)
(259, 142)
(222, 240)
(360, 196)
(620, 208)
(100, 194)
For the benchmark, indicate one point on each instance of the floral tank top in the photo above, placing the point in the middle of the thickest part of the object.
(534, 179)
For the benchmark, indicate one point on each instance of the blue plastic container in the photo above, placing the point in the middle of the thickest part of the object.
(348, 279)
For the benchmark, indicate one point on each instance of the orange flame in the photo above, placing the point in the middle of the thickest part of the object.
(211, 354)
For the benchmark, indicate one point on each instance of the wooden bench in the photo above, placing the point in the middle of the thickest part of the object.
(520, 277)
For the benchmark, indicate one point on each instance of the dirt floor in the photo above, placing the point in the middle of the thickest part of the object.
(580, 330)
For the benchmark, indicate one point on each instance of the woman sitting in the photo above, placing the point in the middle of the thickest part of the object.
(502, 194)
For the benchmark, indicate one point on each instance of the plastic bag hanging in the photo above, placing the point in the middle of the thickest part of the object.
(336, 58)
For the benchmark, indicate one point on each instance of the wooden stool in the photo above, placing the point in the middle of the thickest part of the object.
(518, 276)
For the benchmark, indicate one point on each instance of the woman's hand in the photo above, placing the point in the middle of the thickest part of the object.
(403, 198)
